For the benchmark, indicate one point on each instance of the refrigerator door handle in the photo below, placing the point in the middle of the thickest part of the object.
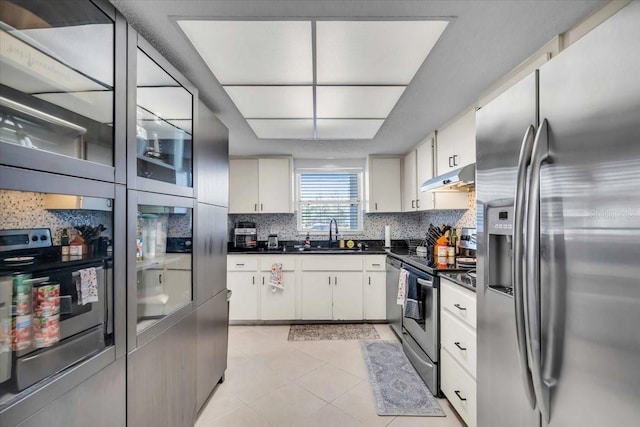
(518, 268)
(540, 155)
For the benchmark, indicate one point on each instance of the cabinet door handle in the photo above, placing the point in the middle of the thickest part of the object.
(253, 280)
(239, 265)
(376, 265)
(418, 204)
(329, 280)
(457, 344)
(261, 207)
(457, 392)
(376, 206)
(455, 161)
(262, 280)
(459, 307)
(450, 160)
(369, 280)
(413, 204)
(255, 207)
(160, 278)
(335, 281)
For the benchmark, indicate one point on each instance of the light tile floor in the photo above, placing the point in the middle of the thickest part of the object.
(274, 382)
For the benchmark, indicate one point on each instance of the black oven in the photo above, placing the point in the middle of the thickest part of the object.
(57, 309)
(421, 339)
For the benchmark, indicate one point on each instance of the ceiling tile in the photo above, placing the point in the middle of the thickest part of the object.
(369, 102)
(282, 128)
(265, 102)
(254, 52)
(348, 128)
(373, 52)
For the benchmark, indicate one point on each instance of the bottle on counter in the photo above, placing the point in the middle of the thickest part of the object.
(64, 242)
(453, 241)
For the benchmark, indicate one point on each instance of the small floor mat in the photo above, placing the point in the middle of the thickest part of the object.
(397, 388)
(333, 332)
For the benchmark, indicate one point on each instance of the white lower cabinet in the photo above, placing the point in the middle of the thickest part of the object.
(244, 296)
(375, 295)
(459, 387)
(278, 304)
(316, 287)
(458, 344)
(317, 296)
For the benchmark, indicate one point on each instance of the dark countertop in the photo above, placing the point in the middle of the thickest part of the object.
(460, 278)
(290, 251)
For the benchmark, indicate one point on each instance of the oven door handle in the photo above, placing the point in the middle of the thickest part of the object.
(425, 283)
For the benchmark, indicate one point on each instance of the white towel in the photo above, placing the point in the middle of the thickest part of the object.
(275, 280)
(402, 286)
(87, 286)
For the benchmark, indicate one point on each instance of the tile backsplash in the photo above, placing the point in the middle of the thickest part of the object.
(407, 225)
(22, 209)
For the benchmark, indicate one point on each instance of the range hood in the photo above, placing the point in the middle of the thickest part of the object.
(456, 180)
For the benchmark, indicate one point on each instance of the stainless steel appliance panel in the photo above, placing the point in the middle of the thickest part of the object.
(394, 311)
(500, 129)
(590, 227)
(426, 368)
(426, 330)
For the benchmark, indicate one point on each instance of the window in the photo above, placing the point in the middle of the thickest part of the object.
(324, 195)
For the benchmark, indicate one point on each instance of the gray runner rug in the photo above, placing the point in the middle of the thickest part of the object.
(397, 388)
(332, 332)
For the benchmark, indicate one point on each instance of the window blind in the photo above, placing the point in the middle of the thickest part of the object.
(323, 196)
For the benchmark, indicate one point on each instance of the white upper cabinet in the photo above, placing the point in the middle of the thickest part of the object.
(418, 167)
(260, 185)
(409, 182)
(384, 184)
(456, 144)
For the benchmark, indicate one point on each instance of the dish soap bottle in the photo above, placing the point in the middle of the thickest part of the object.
(307, 241)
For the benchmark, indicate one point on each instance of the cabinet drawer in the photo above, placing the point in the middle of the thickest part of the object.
(288, 262)
(332, 262)
(459, 301)
(242, 263)
(454, 379)
(456, 336)
(375, 262)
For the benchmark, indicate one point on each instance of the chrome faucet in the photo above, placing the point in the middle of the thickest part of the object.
(331, 236)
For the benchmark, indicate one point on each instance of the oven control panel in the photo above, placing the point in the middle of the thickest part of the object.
(27, 238)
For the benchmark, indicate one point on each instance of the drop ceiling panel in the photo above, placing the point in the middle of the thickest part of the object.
(254, 52)
(282, 128)
(273, 101)
(373, 52)
(357, 101)
(348, 128)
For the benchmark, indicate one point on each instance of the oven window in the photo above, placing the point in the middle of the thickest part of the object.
(164, 271)
(57, 79)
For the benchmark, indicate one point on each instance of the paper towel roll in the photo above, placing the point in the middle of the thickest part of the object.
(387, 236)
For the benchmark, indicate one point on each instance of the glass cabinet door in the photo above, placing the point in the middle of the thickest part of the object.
(163, 262)
(56, 80)
(164, 122)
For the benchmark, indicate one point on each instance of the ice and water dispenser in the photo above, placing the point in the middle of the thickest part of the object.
(499, 222)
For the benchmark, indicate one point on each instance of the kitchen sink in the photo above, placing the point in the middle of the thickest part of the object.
(328, 250)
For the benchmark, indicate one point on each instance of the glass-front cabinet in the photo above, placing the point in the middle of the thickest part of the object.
(57, 87)
(163, 258)
(164, 125)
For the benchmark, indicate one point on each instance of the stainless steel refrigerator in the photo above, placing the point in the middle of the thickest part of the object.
(558, 190)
